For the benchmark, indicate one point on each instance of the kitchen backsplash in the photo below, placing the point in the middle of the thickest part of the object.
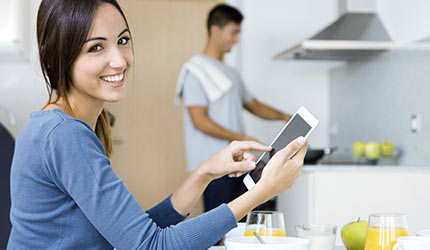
(374, 98)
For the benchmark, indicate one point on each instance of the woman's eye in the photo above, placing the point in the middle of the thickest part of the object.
(95, 48)
(123, 40)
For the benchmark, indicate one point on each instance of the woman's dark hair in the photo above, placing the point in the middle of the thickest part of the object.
(62, 28)
(222, 14)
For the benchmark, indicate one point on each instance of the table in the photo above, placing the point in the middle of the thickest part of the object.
(223, 248)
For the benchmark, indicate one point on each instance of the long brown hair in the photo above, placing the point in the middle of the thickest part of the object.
(62, 28)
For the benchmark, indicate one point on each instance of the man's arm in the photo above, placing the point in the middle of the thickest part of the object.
(266, 112)
(202, 122)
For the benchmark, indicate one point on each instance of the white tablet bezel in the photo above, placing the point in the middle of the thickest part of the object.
(308, 117)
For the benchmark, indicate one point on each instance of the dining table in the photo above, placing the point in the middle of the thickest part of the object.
(223, 248)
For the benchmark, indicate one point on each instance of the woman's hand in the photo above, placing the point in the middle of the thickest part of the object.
(280, 172)
(235, 160)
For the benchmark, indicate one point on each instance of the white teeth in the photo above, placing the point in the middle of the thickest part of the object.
(116, 78)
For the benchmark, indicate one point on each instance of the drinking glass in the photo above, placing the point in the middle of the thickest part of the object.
(384, 229)
(322, 237)
(265, 223)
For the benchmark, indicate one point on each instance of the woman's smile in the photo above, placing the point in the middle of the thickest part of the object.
(116, 80)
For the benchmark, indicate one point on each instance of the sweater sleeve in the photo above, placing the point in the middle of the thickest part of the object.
(76, 161)
(158, 214)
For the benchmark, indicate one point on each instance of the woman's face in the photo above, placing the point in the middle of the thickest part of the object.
(100, 71)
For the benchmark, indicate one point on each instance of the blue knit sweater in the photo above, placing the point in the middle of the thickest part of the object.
(65, 195)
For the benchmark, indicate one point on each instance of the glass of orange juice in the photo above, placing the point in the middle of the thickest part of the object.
(383, 231)
(265, 223)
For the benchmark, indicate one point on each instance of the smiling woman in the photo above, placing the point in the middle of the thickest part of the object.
(100, 56)
(64, 192)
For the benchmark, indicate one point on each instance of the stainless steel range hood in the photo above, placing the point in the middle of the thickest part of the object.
(356, 32)
(352, 35)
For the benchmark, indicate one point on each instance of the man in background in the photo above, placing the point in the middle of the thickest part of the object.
(214, 97)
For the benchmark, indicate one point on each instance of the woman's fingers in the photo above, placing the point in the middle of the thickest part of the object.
(240, 167)
(235, 175)
(293, 147)
(247, 156)
(302, 151)
(244, 161)
(249, 145)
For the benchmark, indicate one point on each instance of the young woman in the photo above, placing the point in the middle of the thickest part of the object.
(64, 192)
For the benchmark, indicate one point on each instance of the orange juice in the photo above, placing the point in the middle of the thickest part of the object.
(266, 232)
(383, 239)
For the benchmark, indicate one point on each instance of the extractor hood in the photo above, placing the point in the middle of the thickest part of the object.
(352, 34)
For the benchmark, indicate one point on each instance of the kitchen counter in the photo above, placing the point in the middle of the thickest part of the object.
(339, 194)
(373, 168)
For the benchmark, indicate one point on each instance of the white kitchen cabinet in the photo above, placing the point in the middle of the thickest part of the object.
(340, 194)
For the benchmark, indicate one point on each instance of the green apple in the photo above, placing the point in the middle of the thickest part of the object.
(354, 235)
(387, 149)
(372, 150)
(358, 149)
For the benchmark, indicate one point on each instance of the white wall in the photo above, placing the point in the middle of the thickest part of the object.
(373, 99)
(406, 21)
(272, 26)
(22, 87)
(5, 20)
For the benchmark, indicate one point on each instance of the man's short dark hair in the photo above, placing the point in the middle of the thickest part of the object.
(222, 14)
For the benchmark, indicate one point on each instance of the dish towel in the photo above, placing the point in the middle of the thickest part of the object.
(214, 82)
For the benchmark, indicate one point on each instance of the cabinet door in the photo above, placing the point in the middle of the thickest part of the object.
(341, 197)
(149, 144)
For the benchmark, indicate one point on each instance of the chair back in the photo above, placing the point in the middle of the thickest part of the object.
(7, 145)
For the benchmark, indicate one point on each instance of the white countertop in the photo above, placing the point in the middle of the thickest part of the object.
(364, 168)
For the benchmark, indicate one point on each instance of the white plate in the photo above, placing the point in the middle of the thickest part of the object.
(423, 233)
(272, 243)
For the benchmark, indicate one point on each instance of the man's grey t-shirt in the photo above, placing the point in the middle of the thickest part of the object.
(226, 112)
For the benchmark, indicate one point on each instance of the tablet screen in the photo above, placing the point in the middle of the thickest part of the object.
(295, 128)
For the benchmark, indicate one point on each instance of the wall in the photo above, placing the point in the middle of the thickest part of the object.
(375, 97)
(22, 87)
(270, 27)
(5, 19)
(21, 92)
(406, 21)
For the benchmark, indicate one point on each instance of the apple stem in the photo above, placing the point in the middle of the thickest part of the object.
(358, 219)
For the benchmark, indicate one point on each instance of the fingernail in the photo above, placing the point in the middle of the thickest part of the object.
(251, 165)
(301, 140)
